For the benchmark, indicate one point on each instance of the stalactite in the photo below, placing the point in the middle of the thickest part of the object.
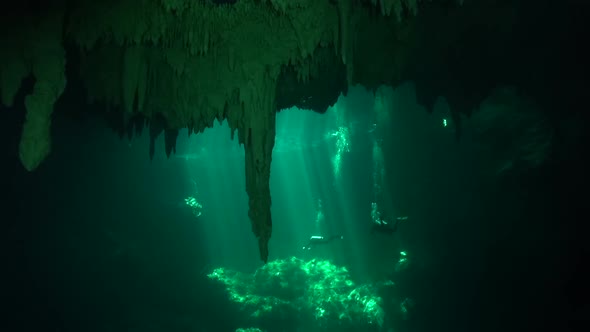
(133, 65)
(48, 67)
(258, 133)
(170, 136)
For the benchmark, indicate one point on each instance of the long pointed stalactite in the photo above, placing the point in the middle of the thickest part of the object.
(258, 132)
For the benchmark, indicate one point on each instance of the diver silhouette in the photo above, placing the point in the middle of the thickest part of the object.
(316, 240)
(382, 226)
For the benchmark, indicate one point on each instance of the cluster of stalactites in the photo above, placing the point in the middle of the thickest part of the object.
(397, 7)
(159, 72)
(191, 63)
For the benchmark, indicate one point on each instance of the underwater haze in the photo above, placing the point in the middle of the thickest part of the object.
(382, 221)
(432, 178)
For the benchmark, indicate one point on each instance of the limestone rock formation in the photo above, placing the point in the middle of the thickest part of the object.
(186, 63)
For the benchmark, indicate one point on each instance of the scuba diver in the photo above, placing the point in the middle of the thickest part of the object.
(320, 240)
(382, 226)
